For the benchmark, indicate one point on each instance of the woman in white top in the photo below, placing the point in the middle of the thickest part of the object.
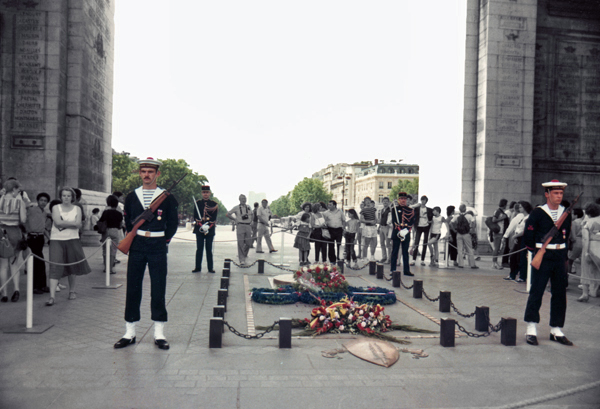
(65, 245)
(12, 214)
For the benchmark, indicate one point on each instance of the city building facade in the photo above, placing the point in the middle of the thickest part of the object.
(349, 184)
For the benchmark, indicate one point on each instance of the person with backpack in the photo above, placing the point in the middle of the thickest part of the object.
(500, 220)
(462, 225)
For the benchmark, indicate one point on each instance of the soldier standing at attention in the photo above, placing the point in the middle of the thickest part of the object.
(403, 218)
(553, 266)
(205, 229)
(149, 247)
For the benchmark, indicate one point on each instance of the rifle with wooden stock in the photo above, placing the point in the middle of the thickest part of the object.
(537, 260)
(146, 216)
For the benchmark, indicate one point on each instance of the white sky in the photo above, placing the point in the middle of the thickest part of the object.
(256, 95)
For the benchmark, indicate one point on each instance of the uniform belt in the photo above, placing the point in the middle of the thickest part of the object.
(552, 246)
(35, 234)
(146, 233)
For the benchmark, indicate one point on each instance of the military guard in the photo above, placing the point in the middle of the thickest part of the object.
(149, 247)
(403, 218)
(205, 214)
(553, 266)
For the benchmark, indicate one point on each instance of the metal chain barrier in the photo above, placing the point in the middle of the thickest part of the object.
(246, 336)
(430, 299)
(461, 314)
(491, 328)
(241, 266)
(404, 286)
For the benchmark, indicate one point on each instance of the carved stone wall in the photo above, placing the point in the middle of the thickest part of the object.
(532, 100)
(56, 93)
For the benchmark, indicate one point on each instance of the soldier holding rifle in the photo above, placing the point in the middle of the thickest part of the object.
(547, 233)
(149, 236)
(205, 214)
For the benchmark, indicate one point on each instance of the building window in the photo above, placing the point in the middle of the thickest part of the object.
(389, 185)
(380, 185)
(380, 198)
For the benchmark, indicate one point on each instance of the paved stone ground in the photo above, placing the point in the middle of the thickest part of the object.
(74, 365)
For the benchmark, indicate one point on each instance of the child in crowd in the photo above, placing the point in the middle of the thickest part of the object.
(302, 241)
(436, 234)
(94, 218)
(369, 233)
(352, 226)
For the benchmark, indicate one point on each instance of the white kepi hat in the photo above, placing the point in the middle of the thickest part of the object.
(554, 184)
(149, 163)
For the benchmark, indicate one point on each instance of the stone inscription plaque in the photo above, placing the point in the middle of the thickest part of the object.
(29, 79)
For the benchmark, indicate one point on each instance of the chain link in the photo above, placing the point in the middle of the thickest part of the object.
(491, 328)
(430, 299)
(461, 314)
(246, 336)
(349, 267)
(241, 266)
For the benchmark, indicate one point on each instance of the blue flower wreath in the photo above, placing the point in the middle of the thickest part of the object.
(287, 295)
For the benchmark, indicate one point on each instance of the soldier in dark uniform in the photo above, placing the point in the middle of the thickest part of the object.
(205, 229)
(403, 219)
(553, 267)
(149, 247)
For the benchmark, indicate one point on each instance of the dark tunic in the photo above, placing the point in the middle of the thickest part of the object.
(553, 267)
(403, 217)
(151, 252)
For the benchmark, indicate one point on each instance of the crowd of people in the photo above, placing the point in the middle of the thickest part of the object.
(28, 226)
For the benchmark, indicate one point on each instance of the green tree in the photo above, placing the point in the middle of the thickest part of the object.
(409, 186)
(281, 206)
(308, 190)
(125, 176)
(170, 171)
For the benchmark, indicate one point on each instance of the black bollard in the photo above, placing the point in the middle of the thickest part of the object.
(372, 268)
(227, 264)
(340, 266)
(285, 333)
(261, 266)
(215, 336)
(222, 298)
(379, 271)
(445, 301)
(482, 318)
(508, 333)
(447, 332)
(225, 283)
(226, 272)
(396, 278)
(219, 312)
(418, 289)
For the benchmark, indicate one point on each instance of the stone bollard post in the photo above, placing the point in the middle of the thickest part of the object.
(222, 298)
(396, 278)
(418, 289)
(508, 333)
(340, 266)
(219, 312)
(447, 332)
(224, 283)
(482, 318)
(445, 301)
(226, 272)
(215, 336)
(227, 264)
(285, 333)
(261, 266)
(379, 271)
(372, 268)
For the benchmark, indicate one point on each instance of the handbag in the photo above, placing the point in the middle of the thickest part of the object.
(325, 233)
(102, 227)
(491, 225)
(6, 249)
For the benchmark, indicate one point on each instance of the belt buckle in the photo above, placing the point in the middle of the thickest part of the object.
(147, 234)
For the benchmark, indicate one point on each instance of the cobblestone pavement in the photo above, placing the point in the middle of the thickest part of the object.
(73, 364)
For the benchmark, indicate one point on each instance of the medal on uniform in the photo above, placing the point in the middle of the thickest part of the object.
(159, 214)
